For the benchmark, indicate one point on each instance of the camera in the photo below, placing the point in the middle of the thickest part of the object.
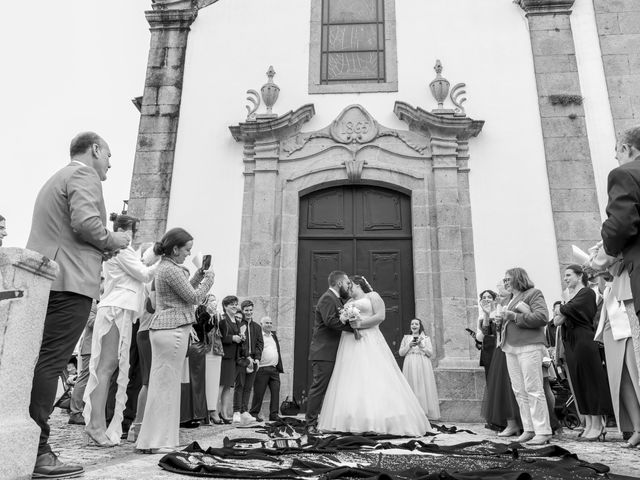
(206, 262)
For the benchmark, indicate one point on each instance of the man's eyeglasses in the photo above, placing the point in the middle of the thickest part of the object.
(506, 280)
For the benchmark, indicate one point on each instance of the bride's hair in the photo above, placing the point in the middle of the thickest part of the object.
(360, 280)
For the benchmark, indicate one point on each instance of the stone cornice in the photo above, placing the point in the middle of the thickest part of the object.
(180, 4)
(441, 125)
(171, 19)
(276, 128)
(546, 7)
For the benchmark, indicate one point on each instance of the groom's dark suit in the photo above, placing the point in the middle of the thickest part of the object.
(327, 329)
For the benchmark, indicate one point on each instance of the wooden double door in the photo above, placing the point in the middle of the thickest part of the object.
(363, 230)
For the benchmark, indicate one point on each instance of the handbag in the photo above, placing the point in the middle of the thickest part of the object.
(290, 407)
(196, 349)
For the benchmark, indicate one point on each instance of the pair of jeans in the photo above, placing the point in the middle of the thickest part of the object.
(67, 315)
(242, 391)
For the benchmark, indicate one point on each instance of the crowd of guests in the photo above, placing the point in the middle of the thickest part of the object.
(523, 346)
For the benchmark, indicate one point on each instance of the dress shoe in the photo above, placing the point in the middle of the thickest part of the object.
(525, 437)
(190, 424)
(274, 418)
(313, 430)
(48, 466)
(76, 419)
(539, 440)
(508, 432)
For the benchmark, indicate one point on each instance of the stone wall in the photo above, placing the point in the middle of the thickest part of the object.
(618, 23)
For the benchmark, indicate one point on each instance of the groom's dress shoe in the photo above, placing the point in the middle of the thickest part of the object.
(48, 466)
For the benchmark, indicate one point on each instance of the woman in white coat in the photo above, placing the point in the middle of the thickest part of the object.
(121, 303)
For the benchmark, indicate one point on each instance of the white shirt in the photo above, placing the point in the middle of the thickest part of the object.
(269, 351)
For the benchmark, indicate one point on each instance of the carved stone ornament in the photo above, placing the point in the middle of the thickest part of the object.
(270, 91)
(545, 7)
(439, 86)
(354, 126)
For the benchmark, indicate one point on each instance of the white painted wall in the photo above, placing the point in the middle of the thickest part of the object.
(484, 44)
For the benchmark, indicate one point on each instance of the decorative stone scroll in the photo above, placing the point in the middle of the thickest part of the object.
(354, 126)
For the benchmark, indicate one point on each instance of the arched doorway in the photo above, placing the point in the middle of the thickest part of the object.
(363, 230)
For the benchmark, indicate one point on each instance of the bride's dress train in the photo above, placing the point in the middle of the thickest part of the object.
(367, 391)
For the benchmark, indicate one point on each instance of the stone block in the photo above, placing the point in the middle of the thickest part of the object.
(558, 83)
(563, 127)
(549, 22)
(620, 85)
(450, 260)
(574, 199)
(156, 76)
(448, 214)
(550, 42)
(547, 109)
(616, 64)
(25, 277)
(555, 63)
(448, 237)
(156, 208)
(448, 194)
(622, 124)
(574, 226)
(634, 64)
(150, 230)
(169, 95)
(605, 6)
(608, 24)
(570, 174)
(156, 142)
(158, 124)
(153, 162)
(452, 288)
(167, 39)
(619, 44)
(150, 96)
(459, 384)
(567, 148)
(150, 185)
(621, 106)
(260, 280)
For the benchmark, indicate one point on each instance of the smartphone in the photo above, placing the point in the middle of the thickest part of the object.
(206, 262)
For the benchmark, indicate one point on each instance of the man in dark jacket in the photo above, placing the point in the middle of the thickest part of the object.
(250, 358)
(621, 229)
(327, 330)
(268, 374)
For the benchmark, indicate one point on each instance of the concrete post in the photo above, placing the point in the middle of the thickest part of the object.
(25, 280)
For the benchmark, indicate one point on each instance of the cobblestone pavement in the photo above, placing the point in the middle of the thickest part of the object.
(123, 463)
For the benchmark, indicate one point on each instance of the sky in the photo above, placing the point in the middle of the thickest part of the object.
(67, 67)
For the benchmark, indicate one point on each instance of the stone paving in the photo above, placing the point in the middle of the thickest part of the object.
(123, 463)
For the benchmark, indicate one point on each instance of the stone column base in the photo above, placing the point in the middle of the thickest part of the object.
(18, 440)
(460, 391)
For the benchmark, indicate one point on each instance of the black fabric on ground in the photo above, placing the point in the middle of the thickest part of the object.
(466, 461)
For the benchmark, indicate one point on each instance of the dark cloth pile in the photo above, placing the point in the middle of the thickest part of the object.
(361, 457)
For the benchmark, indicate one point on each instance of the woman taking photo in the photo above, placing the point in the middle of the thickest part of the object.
(486, 331)
(522, 327)
(176, 298)
(417, 369)
(120, 305)
(588, 377)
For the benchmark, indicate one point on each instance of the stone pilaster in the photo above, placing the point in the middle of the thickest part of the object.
(574, 202)
(460, 381)
(160, 111)
(618, 24)
(25, 280)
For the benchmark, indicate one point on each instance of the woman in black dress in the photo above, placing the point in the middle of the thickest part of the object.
(231, 342)
(486, 331)
(499, 406)
(588, 377)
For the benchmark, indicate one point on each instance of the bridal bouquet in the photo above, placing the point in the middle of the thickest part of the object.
(347, 314)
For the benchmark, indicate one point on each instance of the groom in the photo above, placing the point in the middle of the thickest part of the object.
(327, 329)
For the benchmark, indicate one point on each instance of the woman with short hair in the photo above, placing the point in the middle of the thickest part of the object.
(176, 298)
(523, 342)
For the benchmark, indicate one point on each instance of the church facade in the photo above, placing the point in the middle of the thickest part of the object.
(427, 145)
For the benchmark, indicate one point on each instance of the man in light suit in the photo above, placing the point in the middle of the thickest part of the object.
(68, 226)
(327, 330)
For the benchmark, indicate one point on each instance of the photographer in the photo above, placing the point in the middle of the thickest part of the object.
(417, 368)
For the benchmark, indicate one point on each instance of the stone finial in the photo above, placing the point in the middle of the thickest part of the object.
(270, 91)
(439, 86)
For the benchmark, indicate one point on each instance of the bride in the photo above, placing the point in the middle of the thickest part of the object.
(367, 391)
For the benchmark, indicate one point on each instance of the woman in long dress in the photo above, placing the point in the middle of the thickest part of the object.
(120, 305)
(588, 377)
(367, 391)
(417, 368)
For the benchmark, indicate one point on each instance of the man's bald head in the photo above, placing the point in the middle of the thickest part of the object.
(267, 324)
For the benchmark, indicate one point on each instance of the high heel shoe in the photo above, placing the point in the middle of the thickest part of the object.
(598, 438)
(509, 432)
(89, 440)
(633, 441)
(539, 440)
(215, 418)
(226, 421)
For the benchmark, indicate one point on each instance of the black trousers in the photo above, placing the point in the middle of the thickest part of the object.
(321, 374)
(67, 315)
(266, 377)
(242, 390)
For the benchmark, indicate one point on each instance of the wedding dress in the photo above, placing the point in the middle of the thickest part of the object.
(367, 391)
